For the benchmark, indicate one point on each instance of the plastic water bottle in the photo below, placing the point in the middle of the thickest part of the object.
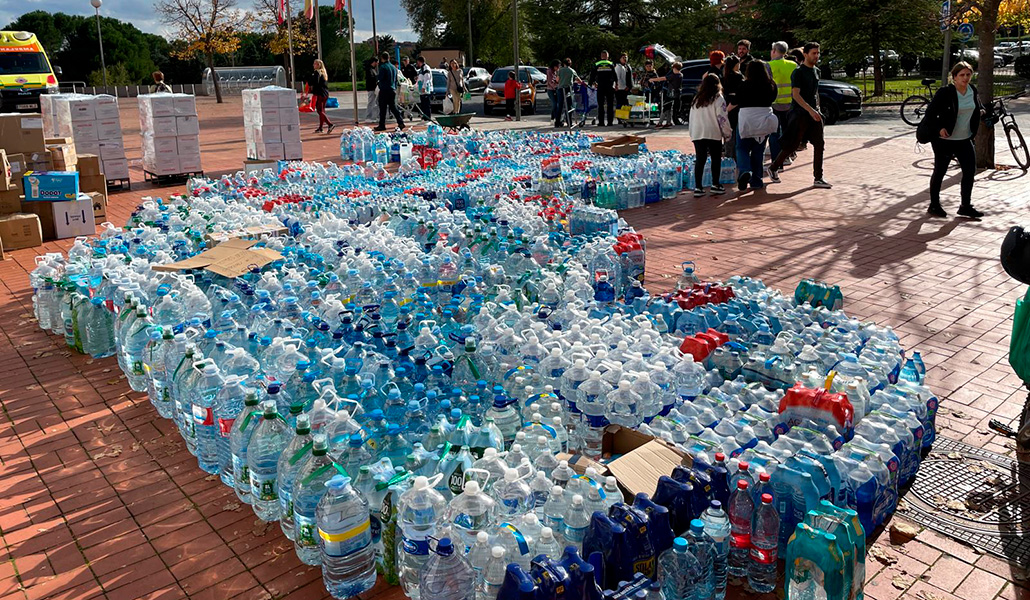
(289, 464)
(266, 445)
(765, 539)
(471, 513)
(703, 549)
(514, 498)
(308, 490)
(493, 575)
(239, 440)
(742, 507)
(447, 575)
(717, 527)
(554, 509)
(679, 572)
(208, 437)
(345, 540)
(419, 517)
(574, 527)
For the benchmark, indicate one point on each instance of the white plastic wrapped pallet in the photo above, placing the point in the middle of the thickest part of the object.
(271, 123)
(169, 128)
(93, 125)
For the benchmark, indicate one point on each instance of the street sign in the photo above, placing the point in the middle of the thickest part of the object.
(945, 14)
(965, 32)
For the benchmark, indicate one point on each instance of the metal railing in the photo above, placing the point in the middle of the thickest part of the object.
(126, 91)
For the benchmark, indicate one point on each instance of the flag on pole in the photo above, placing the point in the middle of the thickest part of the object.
(280, 12)
(339, 5)
(309, 9)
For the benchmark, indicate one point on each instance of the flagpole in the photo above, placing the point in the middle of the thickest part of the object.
(353, 61)
(289, 36)
(318, 31)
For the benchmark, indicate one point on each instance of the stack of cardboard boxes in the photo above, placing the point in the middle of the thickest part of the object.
(271, 124)
(77, 124)
(171, 134)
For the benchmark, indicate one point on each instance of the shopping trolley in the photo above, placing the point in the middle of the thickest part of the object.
(580, 100)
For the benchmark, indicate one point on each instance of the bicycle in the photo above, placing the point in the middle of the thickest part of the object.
(1017, 144)
(914, 107)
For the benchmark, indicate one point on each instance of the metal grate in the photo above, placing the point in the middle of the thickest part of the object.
(977, 497)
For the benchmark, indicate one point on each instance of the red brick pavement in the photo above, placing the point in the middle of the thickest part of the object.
(101, 500)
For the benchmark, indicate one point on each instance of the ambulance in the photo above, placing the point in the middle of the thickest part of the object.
(25, 72)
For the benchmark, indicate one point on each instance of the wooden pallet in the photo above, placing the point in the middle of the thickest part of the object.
(122, 184)
(173, 179)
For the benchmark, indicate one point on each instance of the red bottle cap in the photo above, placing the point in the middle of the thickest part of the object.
(743, 466)
(766, 498)
(764, 477)
(720, 456)
(741, 485)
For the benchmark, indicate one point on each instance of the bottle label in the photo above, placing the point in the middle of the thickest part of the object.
(137, 367)
(376, 527)
(741, 541)
(285, 502)
(456, 481)
(203, 416)
(225, 427)
(764, 556)
(263, 487)
(305, 531)
(415, 547)
(346, 542)
(240, 470)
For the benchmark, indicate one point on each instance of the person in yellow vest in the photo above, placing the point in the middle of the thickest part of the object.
(781, 69)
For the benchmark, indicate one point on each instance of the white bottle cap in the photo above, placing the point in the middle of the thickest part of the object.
(497, 552)
(577, 500)
(421, 482)
(482, 537)
(472, 487)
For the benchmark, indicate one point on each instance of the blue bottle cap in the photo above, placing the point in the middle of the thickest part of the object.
(444, 547)
(679, 544)
(355, 440)
(376, 415)
(697, 526)
(716, 505)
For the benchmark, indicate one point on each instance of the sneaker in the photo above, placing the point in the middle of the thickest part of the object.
(774, 176)
(319, 130)
(743, 179)
(967, 210)
(822, 183)
(379, 129)
(936, 210)
(718, 189)
(698, 192)
(788, 161)
(330, 129)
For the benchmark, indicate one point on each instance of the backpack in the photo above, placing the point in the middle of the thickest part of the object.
(925, 130)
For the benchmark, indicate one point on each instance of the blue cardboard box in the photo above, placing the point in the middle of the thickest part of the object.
(51, 186)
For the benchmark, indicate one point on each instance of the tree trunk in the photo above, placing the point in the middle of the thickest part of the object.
(985, 80)
(214, 78)
(878, 84)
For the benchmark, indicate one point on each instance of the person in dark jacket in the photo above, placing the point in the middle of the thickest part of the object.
(674, 87)
(732, 79)
(744, 53)
(716, 58)
(953, 119)
(318, 85)
(408, 70)
(388, 75)
(757, 91)
(603, 77)
(371, 84)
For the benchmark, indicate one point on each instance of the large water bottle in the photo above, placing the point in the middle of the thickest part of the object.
(679, 571)
(447, 575)
(419, 517)
(308, 490)
(204, 402)
(592, 402)
(471, 513)
(765, 533)
(493, 575)
(289, 464)
(703, 548)
(742, 507)
(266, 445)
(717, 526)
(239, 440)
(345, 540)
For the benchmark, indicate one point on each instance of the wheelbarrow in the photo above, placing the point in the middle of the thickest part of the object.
(1015, 258)
(455, 123)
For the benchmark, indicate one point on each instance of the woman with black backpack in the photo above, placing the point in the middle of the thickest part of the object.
(950, 124)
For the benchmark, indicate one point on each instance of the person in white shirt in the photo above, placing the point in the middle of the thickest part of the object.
(623, 81)
(425, 88)
(709, 128)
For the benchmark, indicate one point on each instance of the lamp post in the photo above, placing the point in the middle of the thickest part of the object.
(96, 4)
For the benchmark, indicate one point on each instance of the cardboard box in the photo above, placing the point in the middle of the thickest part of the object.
(21, 132)
(17, 163)
(162, 164)
(109, 129)
(157, 105)
(187, 145)
(93, 183)
(52, 186)
(99, 207)
(187, 125)
(640, 459)
(10, 202)
(84, 147)
(77, 109)
(44, 212)
(293, 151)
(184, 105)
(156, 146)
(20, 230)
(622, 145)
(73, 218)
(39, 161)
(263, 115)
(85, 131)
(257, 165)
(289, 133)
(289, 115)
(5, 172)
(89, 164)
(231, 259)
(288, 99)
(112, 149)
(189, 163)
(256, 232)
(106, 107)
(116, 168)
(161, 127)
(268, 134)
(62, 153)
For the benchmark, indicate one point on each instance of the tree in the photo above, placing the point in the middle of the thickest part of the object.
(209, 28)
(858, 28)
(117, 74)
(767, 21)
(303, 32)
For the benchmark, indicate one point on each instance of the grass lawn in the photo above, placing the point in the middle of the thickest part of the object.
(341, 86)
(899, 88)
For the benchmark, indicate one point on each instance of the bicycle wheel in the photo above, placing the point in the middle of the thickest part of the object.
(913, 109)
(1018, 146)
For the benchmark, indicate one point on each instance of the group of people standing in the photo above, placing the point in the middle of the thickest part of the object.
(743, 103)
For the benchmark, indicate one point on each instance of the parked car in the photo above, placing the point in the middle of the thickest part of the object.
(439, 89)
(476, 78)
(837, 100)
(539, 76)
(974, 55)
(493, 98)
(1005, 53)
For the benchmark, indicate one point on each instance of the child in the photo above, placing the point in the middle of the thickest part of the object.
(511, 95)
(709, 128)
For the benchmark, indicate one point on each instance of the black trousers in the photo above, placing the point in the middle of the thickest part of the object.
(621, 98)
(509, 107)
(388, 101)
(605, 106)
(943, 152)
(801, 127)
(425, 105)
(702, 150)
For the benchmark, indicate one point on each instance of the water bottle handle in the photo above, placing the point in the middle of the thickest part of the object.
(435, 479)
(485, 478)
(323, 384)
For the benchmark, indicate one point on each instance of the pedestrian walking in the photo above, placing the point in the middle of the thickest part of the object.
(732, 79)
(318, 86)
(716, 58)
(159, 84)
(623, 81)
(455, 86)
(709, 128)
(744, 53)
(388, 93)
(804, 122)
(551, 83)
(755, 123)
(951, 123)
(408, 70)
(424, 80)
(566, 77)
(781, 69)
(372, 85)
(602, 77)
(512, 89)
(674, 87)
